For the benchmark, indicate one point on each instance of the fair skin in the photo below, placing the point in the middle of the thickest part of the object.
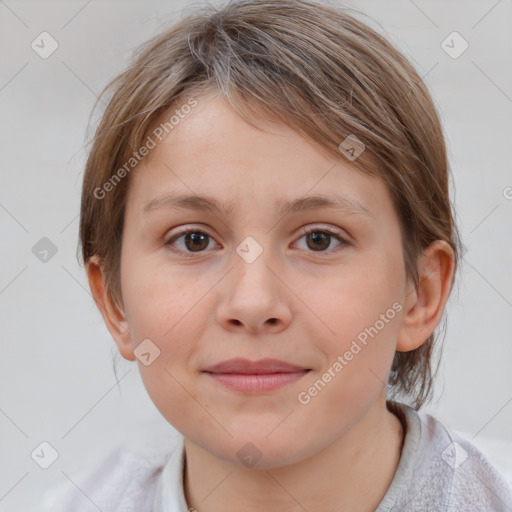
(302, 300)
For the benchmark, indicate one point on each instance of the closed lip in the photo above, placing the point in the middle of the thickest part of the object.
(262, 366)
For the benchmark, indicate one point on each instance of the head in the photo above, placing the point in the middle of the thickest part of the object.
(258, 104)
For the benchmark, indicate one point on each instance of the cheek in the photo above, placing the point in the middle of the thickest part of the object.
(167, 309)
(360, 316)
(348, 302)
(159, 297)
(357, 356)
(169, 312)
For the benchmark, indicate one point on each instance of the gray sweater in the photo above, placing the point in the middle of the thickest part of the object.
(438, 471)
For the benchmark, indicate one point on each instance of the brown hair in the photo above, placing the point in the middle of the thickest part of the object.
(314, 67)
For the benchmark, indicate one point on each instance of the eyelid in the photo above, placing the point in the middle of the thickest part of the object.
(323, 227)
(183, 230)
(340, 235)
(303, 231)
(191, 227)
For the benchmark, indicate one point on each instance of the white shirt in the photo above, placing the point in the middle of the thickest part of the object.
(438, 471)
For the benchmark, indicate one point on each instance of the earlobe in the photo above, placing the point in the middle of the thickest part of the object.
(424, 305)
(113, 317)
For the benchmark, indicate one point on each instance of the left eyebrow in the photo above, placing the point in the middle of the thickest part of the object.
(207, 203)
(336, 203)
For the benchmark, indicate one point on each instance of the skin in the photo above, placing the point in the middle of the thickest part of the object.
(302, 300)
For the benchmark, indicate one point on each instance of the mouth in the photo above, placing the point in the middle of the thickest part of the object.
(255, 377)
(260, 367)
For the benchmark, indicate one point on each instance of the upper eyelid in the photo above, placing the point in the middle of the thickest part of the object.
(308, 227)
(320, 227)
(337, 233)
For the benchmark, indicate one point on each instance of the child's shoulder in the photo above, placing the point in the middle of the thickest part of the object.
(441, 470)
(477, 483)
(125, 479)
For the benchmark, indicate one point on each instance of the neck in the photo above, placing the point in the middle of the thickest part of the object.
(335, 478)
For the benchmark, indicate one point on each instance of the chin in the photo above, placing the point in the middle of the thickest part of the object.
(257, 451)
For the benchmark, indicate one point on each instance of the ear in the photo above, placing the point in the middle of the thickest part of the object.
(424, 305)
(114, 318)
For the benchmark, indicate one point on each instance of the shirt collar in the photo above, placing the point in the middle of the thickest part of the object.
(169, 495)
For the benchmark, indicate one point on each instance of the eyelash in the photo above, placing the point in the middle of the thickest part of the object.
(304, 232)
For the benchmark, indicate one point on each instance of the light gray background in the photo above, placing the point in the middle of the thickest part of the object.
(56, 378)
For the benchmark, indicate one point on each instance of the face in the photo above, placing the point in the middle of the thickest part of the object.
(251, 283)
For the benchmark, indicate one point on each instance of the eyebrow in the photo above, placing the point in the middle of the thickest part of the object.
(207, 203)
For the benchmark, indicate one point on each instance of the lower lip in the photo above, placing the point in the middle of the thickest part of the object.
(256, 383)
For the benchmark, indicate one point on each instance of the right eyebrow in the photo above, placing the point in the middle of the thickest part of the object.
(190, 202)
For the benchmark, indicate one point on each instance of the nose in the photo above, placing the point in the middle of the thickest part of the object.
(253, 298)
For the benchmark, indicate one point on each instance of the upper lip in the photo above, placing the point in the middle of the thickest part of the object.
(254, 367)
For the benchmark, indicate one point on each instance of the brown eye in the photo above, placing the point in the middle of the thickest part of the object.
(319, 240)
(194, 241)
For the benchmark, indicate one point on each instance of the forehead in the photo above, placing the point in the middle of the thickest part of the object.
(214, 155)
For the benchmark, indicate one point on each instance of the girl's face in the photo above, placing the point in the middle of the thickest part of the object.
(248, 282)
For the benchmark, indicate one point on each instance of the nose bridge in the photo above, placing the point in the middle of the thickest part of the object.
(253, 259)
